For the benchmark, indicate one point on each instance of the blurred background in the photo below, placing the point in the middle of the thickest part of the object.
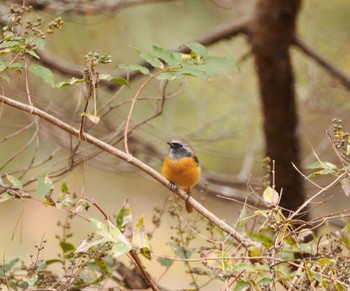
(221, 117)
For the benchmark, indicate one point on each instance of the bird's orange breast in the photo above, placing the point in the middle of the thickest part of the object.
(184, 172)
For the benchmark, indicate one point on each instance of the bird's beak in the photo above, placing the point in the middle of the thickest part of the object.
(169, 143)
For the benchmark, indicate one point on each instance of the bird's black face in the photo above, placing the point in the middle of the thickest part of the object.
(179, 150)
(175, 145)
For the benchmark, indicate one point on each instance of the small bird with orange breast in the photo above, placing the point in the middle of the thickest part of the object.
(181, 167)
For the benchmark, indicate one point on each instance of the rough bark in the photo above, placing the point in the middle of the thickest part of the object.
(272, 33)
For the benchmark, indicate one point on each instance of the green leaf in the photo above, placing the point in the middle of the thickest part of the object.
(44, 73)
(31, 280)
(267, 240)
(198, 49)
(39, 43)
(5, 78)
(8, 266)
(271, 196)
(11, 44)
(228, 61)
(6, 51)
(212, 69)
(99, 227)
(121, 244)
(346, 168)
(194, 72)
(323, 172)
(17, 67)
(321, 165)
(151, 59)
(340, 287)
(103, 266)
(104, 59)
(265, 281)
(180, 251)
(171, 58)
(106, 233)
(52, 261)
(140, 238)
(134, 67)
(118, 80)
(67, 248)
(243, 266)
(33, 54)
(255, 252)
(14, 181)
(87, 244)
(317, 277)
(241, 285)
(124, 221)
(168, 76)
(6, 196)
(326, 261)
(44, 185)
(165, 262)
(64, 188)
(73, 81)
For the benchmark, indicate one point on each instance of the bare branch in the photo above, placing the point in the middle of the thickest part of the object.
(84, 7)
(323, 62)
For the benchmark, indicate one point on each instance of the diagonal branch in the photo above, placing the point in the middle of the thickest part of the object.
(247, 243)
(89, 7)
(323, 62)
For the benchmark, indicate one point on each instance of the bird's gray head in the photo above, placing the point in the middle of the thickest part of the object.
(180, 148)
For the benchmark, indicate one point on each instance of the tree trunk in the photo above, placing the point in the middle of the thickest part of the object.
(271, 35)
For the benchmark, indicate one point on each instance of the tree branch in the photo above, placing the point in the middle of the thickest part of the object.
(131, 160)
(323, 62)
(84, 7)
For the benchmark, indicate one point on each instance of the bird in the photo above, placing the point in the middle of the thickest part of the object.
(181, 167)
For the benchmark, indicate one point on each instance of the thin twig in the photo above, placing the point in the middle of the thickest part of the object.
(308, 201)
(305, 177)
(146, 276)
(21, 149)
(131, 110)
(17, 132)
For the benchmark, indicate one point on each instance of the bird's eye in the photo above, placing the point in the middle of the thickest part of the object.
(179, 145)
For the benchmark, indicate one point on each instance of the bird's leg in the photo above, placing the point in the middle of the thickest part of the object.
(189, 207)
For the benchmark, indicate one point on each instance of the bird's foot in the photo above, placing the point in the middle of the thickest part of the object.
(172, 186)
